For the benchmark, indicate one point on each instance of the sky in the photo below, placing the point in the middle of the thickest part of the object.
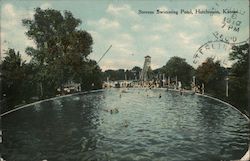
(134, 33)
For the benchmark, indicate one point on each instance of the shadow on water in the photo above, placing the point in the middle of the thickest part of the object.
(62, 129)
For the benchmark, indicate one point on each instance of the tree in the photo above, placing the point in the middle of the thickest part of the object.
(213, 75)
(12, 77)
(239, 76)
(18, 85)
(62, 50)
(136, 70)
(177, 66)
(240, 54)
(115, 74)
(91, 78)
(122, 74)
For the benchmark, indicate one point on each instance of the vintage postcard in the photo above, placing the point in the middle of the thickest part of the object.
(123, 80)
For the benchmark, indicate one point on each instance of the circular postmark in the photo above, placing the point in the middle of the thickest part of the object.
(215, 49)
(231, 31)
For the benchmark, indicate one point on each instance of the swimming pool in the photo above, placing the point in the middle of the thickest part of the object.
(141, 126)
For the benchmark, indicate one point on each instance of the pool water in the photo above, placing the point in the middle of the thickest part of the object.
(141, 127)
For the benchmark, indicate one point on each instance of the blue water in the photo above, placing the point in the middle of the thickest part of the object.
(141, 127)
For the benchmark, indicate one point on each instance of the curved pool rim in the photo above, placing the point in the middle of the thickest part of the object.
(163, 89)
(100, 90)
(50, 99)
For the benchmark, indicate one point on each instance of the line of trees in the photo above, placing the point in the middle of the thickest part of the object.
(122, 74)
(60, 56)
(214, 76)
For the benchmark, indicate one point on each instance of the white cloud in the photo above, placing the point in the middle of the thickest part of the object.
(157, 51)
(192, 20)
(2, 34)
(187, 39)
(121, 55)
(121, 10)
(105, 23)
(155, 66)
(162, 27)
(202, 7)
(137, 27)
(45, 5)
(9, 17)
(158, 56)
(217, 20)
(121, 48)
(126, 37)
(122, 44)
(153, 38)
(184, 38)
(13, 32)
(9, 10)
(95, 35)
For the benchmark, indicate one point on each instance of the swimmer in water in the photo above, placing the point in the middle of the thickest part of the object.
(160, 95)
(125, 123)
(116, 110)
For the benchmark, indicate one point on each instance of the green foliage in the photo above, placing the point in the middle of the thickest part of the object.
(12, 74)
(136, 69)
(61, 53)
(239, 77)
(210, 71)
(213, 75)
(240, 55)
(136, 72)
(16, 80)
(60, 56)
(91, 78)
(115, 74)
(120, 74)
(177, 66)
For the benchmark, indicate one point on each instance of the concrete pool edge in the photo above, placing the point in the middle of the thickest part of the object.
(246, 157)
(49, 99)
(226, 103)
